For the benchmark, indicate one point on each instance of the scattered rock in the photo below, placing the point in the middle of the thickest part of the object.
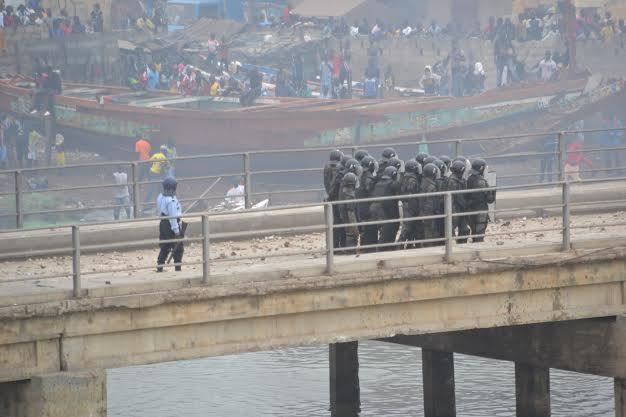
(286, 244)
(507, 223)
(233, 254)
(109, 282)
(499, 243)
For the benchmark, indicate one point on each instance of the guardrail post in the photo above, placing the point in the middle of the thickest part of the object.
(448, 226)
(458, 148)
(330, 249)
(76, 261)
(562, 156)
(567, 239)
(248, 181)
(134, 176)
(206, 271)
(19, 218)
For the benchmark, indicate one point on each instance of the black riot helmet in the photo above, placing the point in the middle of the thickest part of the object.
(352, 165)
(443, 168)
(458, 168)
(391, 173)
(389, 153)
(395, 162)
(369, 164)
(446, 160)
(460, 158)
(429, 160)
(413, 167)
(360, 154)
(421, 157)
(431, 171)
(345, 159)
(336, 155)
(479, 166)
(349, 180)
(169, 186)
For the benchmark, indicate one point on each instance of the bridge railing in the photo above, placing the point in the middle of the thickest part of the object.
(271, 175)
(326, 231)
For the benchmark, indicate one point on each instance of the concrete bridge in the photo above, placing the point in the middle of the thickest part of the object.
(53, 352)
(553, 302)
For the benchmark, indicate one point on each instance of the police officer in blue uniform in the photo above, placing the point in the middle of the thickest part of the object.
(169, 206)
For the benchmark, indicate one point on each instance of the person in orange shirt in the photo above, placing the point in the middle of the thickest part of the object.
(143, 149)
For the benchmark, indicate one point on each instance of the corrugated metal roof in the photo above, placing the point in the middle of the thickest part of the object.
(326, 8)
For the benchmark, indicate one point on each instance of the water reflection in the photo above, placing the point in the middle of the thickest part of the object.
(294, 383)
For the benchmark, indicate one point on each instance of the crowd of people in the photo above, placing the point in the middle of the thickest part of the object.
(32, 13)
(353, 178)
(23, 147)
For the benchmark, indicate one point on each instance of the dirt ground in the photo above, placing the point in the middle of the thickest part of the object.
(280, 249)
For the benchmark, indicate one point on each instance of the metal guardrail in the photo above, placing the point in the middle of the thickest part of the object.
(556, 158)
(329, 228)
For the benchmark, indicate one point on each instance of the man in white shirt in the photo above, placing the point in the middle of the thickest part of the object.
(547, 68)
(236, 195)
(121, 196)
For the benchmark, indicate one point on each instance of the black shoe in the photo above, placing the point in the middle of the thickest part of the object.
(178, 268)
(159, 269)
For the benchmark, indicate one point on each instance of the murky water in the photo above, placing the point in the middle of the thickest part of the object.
(294, 383)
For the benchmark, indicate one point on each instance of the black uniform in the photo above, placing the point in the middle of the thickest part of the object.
(442, 185)
(429, 206)
(459, 205)
(386, 210)
(348, 214)
(369, 234)
(339, 235)
(330, 172)
(409, 185)
(479, 202)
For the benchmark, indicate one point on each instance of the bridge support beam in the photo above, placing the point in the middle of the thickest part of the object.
(438, 374)
(345, 391)
(532, 391)
(61, 394)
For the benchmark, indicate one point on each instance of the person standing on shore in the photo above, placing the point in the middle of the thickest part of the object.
(143, 149)
(121, 196)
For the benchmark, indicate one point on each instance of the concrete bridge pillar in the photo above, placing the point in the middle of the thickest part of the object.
(438, 374)
(345, 391)
(532, 391)
(620, 397)
(62, 394)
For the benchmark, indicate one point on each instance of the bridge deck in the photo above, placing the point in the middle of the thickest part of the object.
(281, 256)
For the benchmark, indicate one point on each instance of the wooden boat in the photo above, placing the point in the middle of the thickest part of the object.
(107, 118)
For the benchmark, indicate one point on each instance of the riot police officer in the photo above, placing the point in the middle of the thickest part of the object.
(429, 206)
(442, 185)
(386, 210)
(479, 201)
(369, 234)
(459, 204)
(420, 158)
(169, 206)
(388, 153)
(448, 162)
(348, 211)
(360, 154)
(347, 165)
(330, 170)
(409, 185)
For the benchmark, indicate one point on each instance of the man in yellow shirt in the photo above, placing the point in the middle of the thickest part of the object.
(158, 171)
